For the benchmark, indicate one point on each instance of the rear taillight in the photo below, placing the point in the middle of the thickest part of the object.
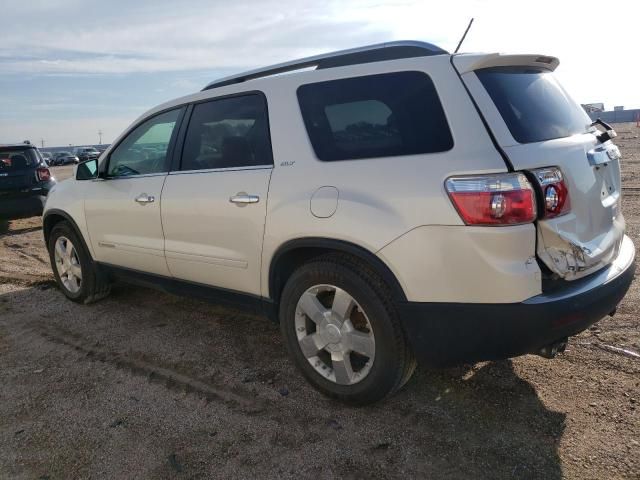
(43, 174)
(495, 199)
(555, 194)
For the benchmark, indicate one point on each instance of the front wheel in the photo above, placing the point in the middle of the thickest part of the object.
(76, 273)
(342, 331)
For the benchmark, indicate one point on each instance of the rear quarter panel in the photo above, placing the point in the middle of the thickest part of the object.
(380, 199)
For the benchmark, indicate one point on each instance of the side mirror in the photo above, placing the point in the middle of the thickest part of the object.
(87, 170)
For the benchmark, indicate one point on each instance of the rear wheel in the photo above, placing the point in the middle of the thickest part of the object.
(76, 273)
(342, 331)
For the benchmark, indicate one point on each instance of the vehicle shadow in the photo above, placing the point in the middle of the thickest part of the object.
(481, 421)
(19, 226)
(13, 232)
(485, 420)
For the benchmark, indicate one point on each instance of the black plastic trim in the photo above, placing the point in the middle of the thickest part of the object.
(445, 334)
(243, 301)
(46, 229)
(374, 53)
(328, 244)
(372, 56)
(176, 154)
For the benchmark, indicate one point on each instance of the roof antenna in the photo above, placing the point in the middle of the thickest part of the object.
(464, 36)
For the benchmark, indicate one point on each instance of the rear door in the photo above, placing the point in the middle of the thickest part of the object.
(214, 205)
(538, 124)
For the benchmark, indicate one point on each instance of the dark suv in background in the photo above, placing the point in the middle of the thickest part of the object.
(25, 181)
(87, 153)
(64, 158)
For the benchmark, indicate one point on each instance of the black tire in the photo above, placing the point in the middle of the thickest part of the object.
(94, 285)
(394, 361)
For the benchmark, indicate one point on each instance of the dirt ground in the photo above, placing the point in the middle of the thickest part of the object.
(148, 385)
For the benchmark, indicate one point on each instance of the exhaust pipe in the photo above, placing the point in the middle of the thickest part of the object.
(553, 349)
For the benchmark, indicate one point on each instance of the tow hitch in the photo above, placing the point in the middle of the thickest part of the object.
(553, 349)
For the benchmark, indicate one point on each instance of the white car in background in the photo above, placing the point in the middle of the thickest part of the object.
(396, 203)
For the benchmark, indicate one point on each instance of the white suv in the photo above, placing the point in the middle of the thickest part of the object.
(395, 203)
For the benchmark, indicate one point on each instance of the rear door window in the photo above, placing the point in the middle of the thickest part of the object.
(382, 115)
(228, 133)
(533, 104)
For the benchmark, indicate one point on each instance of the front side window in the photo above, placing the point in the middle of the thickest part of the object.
(382, 115)
(228, 133)
(144, 150)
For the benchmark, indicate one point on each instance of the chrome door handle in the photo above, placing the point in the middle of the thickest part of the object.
(241, 199)
(143, 199)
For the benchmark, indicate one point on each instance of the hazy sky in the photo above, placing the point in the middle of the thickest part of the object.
(69, 68)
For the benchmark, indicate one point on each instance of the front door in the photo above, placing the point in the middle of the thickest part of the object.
(214, 206)
(123, 208)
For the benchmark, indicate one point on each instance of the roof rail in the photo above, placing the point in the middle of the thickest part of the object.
(353, 56)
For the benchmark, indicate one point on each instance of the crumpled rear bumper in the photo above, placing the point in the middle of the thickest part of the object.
(445, 334)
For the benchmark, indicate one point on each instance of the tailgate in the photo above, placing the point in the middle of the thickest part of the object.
(537, 124)
(16, 170)
(589, 236)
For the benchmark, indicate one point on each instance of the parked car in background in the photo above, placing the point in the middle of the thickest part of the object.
(47, 157)
(86, 153)
(65, 158)
(398, 203)
(25, 181)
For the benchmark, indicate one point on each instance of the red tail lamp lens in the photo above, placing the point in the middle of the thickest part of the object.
(554, 191)
(43, 174)
(495, 199)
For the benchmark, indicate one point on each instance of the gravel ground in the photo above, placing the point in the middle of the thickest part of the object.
(148, 385)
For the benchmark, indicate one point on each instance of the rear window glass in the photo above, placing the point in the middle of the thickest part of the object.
(374, 116)
(12, 160)
(533, 104)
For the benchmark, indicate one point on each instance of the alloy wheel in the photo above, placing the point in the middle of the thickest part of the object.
(68, 264)
(334, 334)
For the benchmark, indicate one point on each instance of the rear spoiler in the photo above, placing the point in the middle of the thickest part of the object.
(467, 62)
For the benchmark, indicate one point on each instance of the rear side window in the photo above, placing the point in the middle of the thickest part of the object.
(14, 160)
(533, 104)
(374, 116)
(228, 133)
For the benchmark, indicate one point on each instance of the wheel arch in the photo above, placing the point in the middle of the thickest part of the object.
(295, 252)
(54, 216)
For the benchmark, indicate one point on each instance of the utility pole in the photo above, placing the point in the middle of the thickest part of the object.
(100, 136)
(42, 142)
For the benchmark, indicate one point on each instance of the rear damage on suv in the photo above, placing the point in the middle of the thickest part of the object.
(564, 177)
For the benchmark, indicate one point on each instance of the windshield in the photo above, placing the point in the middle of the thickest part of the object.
(533, 104)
